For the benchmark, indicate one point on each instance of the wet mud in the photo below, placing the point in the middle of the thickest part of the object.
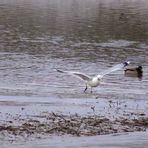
(76, 125)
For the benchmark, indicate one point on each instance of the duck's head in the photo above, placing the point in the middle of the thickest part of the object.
(140, 67)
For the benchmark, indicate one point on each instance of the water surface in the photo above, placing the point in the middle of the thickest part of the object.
(88, 36)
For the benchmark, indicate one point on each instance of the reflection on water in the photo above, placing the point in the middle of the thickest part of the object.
(39, 36)
(76, 19)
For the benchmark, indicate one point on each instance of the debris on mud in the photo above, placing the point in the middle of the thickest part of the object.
(59, 124)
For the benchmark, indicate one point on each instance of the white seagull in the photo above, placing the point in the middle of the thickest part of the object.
(95, 81)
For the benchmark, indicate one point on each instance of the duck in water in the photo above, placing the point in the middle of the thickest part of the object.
(134, 72)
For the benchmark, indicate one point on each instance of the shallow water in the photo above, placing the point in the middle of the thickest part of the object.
(37, 37)
(131, 140)
(88, 36)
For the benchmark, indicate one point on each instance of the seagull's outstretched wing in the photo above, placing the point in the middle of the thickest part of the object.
(79, 75)
(112, 69)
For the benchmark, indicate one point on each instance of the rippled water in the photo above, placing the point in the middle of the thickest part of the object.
(88, 36)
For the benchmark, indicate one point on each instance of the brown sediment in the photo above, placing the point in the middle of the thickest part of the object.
(59, 124)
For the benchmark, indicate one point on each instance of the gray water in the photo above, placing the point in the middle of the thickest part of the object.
(134, 140)
(88, 36)
(38, 36)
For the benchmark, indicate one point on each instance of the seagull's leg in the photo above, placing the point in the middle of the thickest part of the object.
(91, 90)
(85, 89)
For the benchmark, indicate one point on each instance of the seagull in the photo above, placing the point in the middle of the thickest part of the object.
(94, 81)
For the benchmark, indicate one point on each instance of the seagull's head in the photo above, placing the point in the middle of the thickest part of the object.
(99, 77)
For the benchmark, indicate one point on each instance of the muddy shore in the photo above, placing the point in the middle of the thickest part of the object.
(23, 121)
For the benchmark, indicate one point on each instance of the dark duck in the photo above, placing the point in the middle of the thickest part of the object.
(134, 72)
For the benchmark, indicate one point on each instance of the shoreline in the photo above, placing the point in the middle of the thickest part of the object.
(38, 118)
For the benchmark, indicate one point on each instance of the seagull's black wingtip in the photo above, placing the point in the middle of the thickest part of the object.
(126, 63)
(59, 70)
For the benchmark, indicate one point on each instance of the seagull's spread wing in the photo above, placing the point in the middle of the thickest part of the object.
(79, 75)
(112, 69)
